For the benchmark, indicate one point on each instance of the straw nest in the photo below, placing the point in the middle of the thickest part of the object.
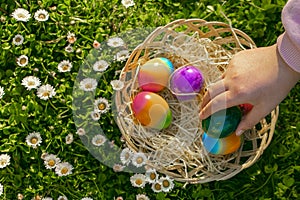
(177, 151)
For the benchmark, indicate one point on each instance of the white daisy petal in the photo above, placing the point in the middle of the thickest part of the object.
(71, 38)
(18, 39)
(20, 14)
(100, 66)
(128, 3)
(41, 15)
(117, 85)
(47, 198)
(115, 42)
(64, 66)
(166, 183)
(98, 140)
(63, 169)
(95, 115)
(138, 180)
(62, 198)
(87, 198)
(101, 105)
(139, 159)
(31, 82)
(142, 197)
(2, 93)
(34, 139)
(118, 167)
(69, 138)
(122, 55)
(45, 92)
(4, 160)
(151, 175)
(22, 60)
(80, 131)
(125, 156)
(88, 84)
(51, 161)
(1, 189)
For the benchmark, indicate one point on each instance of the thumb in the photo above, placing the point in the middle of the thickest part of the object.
(250, 120)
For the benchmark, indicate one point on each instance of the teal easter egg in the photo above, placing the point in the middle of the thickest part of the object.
(221, 146)
(223, 122)
(153, 76)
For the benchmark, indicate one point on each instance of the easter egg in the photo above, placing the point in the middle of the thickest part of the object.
(151, 110)
(223, 122)
(186, 81)
(221, 146)
(153, 76)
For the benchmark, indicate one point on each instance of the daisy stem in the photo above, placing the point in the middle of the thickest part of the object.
(52, 105)
(25, 28)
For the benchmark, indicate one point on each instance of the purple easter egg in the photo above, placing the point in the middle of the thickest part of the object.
(186, 82)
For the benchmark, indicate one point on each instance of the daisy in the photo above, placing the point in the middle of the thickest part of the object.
(156, 186)
(128, 3)
(118, 167)
(34, 139)
(31, 82)
(98, 140)
(115, 42)
(64, 66)
(20, 196)
(2, 93)
(138, 180)
(80, 131)
(18, 39)
(41, 15)
(141, 197)
(4, 160)
(50, 161)
(100, 66)
(47, 198)
(125, 156)
(22, 60)
(122, 55)
(139, 159)
(63, 169)
(151, 175)
(69, 49)
(96, 44)
(69, 138)
(87, 198)
(45, 92)
(101, 105)
(1, 189)
(71, 38)
(88, 84)
(117, 84)
(166, 184)
(118, 198)
(62, 198)
(21, 14)
(95, 115)
(44, 154)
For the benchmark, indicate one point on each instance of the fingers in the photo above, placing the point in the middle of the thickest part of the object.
(250, 120)
(217, 103)
(212, 91)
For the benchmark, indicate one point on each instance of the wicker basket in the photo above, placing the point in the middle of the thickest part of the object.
(178, 150)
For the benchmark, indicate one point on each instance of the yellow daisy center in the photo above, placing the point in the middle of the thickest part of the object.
(65, 67)
(33, 140)
(139, 181)
(3, 162)
(88, 86)
(139, 160)
(18, 39)
(166, 183)
(46, 94)
(64, 170)
(42, 16)
(51, 162)
(21, 15)
(152, 176)
(23, 60)
(31, 83)
(157, 186)
(101, 106)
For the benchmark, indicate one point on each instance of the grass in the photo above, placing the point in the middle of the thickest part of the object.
(274, 176)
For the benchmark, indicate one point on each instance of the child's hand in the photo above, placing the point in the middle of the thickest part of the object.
(257, 76)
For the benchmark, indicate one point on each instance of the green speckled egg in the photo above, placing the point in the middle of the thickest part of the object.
(223, 122)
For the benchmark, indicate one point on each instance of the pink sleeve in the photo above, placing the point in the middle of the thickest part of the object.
(289, 42)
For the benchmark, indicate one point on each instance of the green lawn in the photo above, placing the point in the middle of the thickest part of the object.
(274, 176)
